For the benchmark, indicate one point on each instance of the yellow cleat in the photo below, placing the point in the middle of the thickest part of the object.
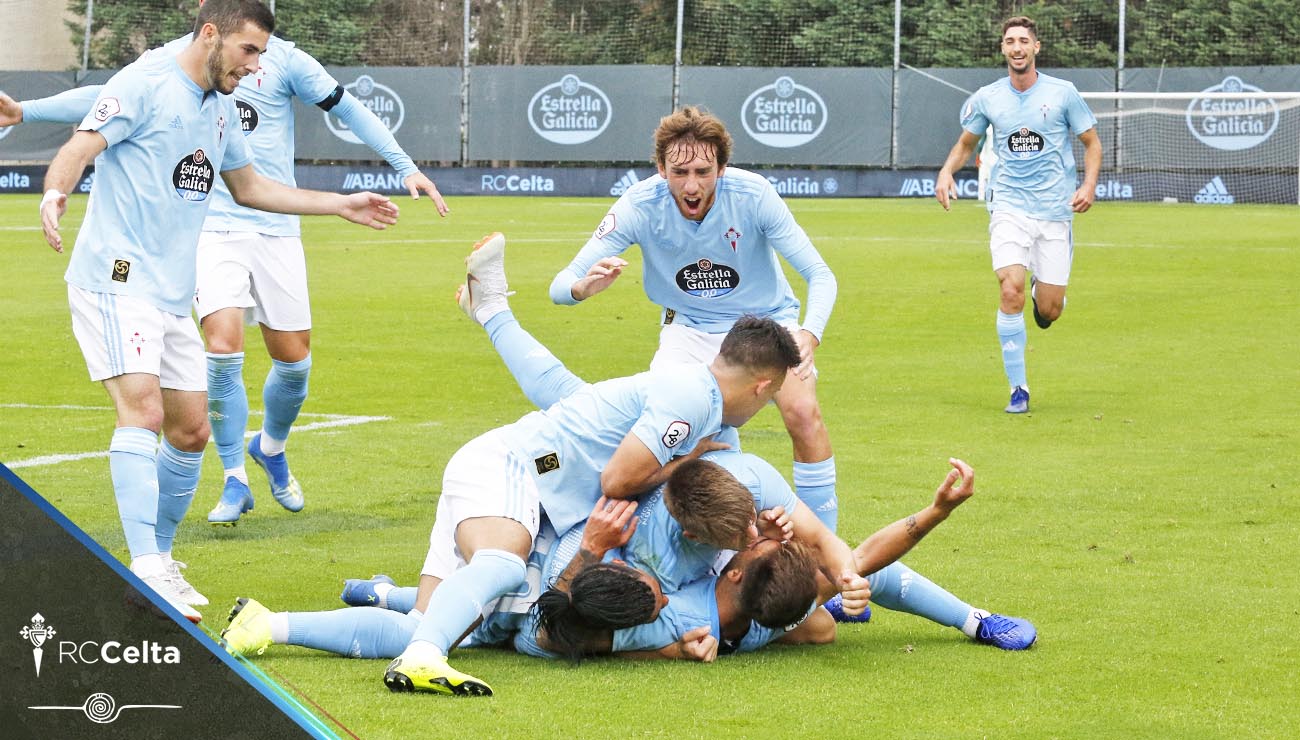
(249, 631)
(432, 674)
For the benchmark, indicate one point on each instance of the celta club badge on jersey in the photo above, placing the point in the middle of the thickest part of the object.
(677, 431)
(707, 279)
(606, 226)
(121, 270)
(247, 116)
(732, 237)
(1024, 143)
(547, 463)
(193, 177)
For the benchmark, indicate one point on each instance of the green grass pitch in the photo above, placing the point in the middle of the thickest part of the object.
(1144, 515)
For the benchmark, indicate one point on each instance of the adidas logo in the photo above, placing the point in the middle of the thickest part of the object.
(1214, 192)
(176, 123)
(1010, 346)
(628, 179)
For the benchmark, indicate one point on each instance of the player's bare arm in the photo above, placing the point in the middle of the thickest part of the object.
(11, 111)
(1087, 192)
(697, 645)
(610, 525)
(945, 187)
(255, 191)
(599, 277)
(836, 560)
(62, 176)
(633, 469)
(894, 541)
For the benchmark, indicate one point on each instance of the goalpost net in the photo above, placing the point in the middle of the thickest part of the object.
(1231, 144)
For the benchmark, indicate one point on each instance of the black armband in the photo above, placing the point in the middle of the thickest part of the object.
(331, 100)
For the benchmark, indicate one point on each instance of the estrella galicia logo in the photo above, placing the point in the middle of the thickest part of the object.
(37, 633)
(784, 114)
(193, 177)
(247, 117)
(380, 99)
(1024, 143)
(1232, 124)
(707, 279)
(569, 111)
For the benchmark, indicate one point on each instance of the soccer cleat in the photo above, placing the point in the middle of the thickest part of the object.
(235, 500)
(406, 674)
(162, 584)
(182, 587)
(284, 487)
(485, 276)
(1019, 400)
(361, 591)
(1033, 298)
(249, 629)
(1008, 633)
(836, 607)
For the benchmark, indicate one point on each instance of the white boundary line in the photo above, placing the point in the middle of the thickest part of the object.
(330, 421)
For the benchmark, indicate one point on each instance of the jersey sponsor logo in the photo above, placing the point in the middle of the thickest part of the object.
(1214, 191)
(106, 108)
(193, 177)
(676, 432)
(784, 114)
(707, 279)
(547, 463)
(1232, 124)
(1025, 143)
(121, 271)
(569, 111)
(380, 99)
(247, 116)
(606, 226)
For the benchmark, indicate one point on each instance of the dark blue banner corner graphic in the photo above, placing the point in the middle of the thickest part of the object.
(88, 651)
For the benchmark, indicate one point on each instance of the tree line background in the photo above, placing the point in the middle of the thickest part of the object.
(764, 33)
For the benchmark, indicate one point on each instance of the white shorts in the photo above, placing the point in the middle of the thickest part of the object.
(1045, 248)
(264, 275)
(483, 478)
(685, 344)
(122, 334)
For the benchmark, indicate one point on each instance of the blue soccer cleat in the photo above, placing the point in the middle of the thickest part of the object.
(1008, 633)
(235, 500)
(1019, 401)
(361, 591)
(284, 487)
(1043, 323)
(835, 605)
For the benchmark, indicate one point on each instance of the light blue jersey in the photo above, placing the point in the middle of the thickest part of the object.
(694, 605)
(658, 545)
(707, 274)
(168, 140)
(567, 446)
(1033, 130)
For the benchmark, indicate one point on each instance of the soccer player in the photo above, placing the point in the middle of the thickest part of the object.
(251, 263)
(1032, 196)
(710, 235)
(160, 132)
(617, 437)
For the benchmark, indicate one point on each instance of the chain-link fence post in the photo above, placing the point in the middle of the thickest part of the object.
(464, 87)
(85, 42)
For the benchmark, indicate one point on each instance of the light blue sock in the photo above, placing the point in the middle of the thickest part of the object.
(282, 396)
(1012, 337)
(900, 588)
(814, 484)
(459, 600)
(358, 632)
(401, 598)
(132, 461)
(540, 374)
(228, 407)
(178, 476)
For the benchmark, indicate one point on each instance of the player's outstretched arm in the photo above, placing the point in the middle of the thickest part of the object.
(417, 183)
(894, 541)
(945, 187)
(255, 191)
(62, 176)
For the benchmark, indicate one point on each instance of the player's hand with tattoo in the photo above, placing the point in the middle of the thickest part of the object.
(600, 276)
(958, 486)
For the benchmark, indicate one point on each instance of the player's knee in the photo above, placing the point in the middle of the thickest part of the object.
(190, 437)
(803, 417)
(1012, 298)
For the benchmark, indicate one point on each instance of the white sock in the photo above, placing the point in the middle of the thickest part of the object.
(239, 473)
(973, 622)
(420, 649)
(146, 566)
(279, 622)
(381, 593)
(485, 312)
(270, 446)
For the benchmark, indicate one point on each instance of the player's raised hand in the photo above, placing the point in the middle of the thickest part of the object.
(11, 112)
(599, 277)
(855, 592)
(369, 209)
(418, 182)
(958, 486)
(53, 206)
(610, 525)
(775, 524)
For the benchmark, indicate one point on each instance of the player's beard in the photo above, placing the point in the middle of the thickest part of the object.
(218, 75)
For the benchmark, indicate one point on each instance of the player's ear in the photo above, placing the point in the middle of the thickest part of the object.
(688, 534)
